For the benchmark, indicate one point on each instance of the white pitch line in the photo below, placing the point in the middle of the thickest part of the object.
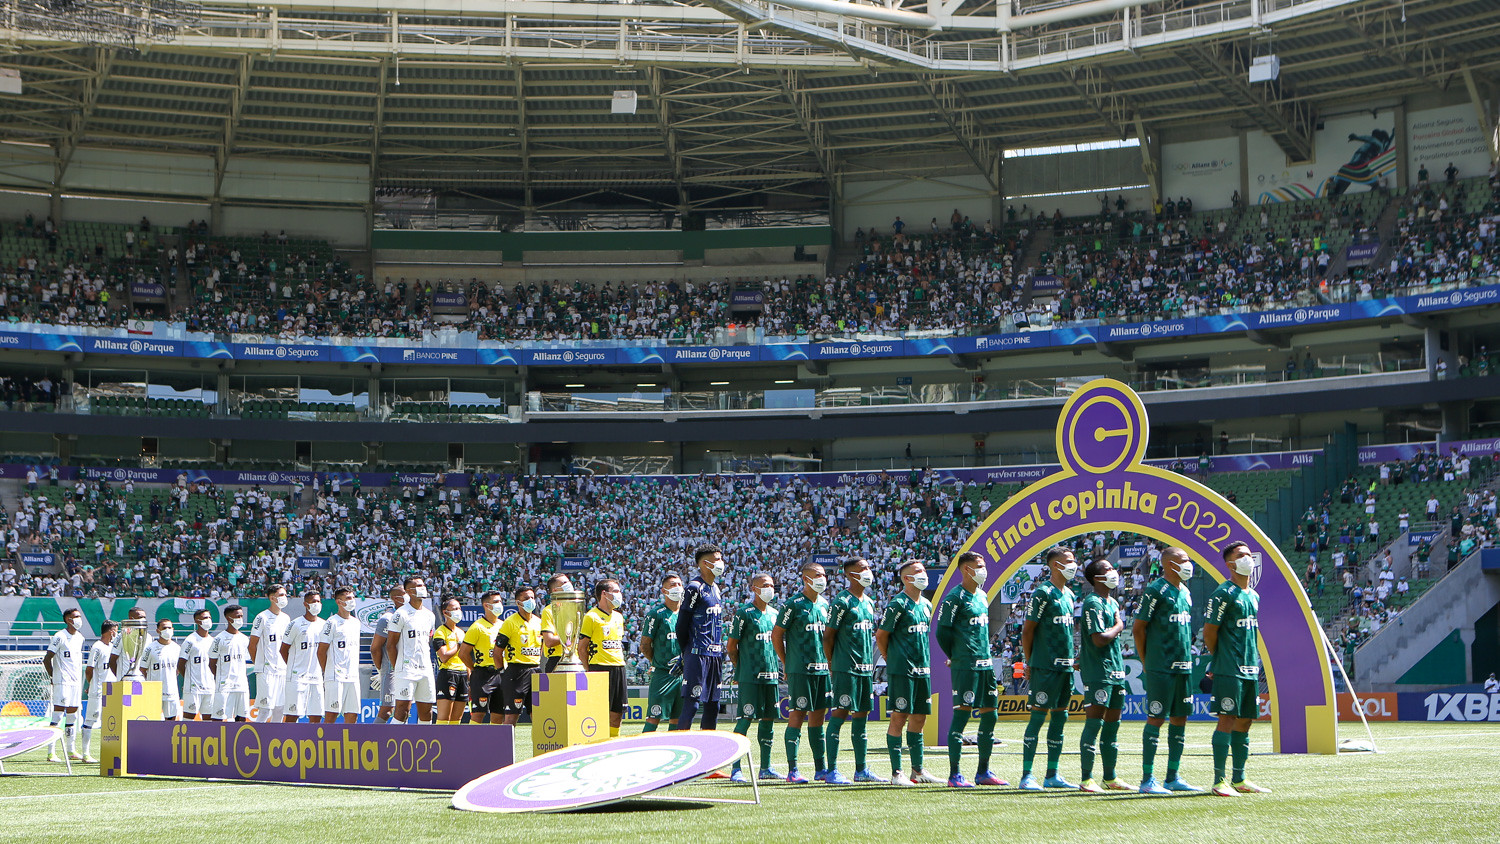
(1440, 736)
(120, 791)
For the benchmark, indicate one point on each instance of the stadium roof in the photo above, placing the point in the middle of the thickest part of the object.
(734, 96)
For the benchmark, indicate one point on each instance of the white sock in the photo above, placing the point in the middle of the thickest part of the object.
(71, 728)
(88, 737)
(56, 716)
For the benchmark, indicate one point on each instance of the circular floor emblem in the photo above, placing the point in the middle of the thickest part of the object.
(1041, 697)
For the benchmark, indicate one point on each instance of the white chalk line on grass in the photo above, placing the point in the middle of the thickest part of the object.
(75, 794)
(1492, 734)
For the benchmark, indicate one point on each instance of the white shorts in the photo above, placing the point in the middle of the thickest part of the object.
(420, 690)
(95, 708)
(67, 696)
(198, 703)
(303, 699)
(231, 705)
(341, 697)
(171, 707)
(271, 690)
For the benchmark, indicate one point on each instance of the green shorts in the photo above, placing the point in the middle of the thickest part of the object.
(911, 695)
(852, 691)
(975, 689)
(664, 695)
(1105, 695)
(809, 692)
(1236, 696)
(1050, 689)
(759, 701)
(1167, 695)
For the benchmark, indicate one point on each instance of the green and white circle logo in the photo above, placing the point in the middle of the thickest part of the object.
(605, 774)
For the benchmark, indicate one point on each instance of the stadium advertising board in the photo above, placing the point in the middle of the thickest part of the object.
(38, 559)
(315, 563)
(23, 615)
(1462, 704)
(376, 755)
(577, 562)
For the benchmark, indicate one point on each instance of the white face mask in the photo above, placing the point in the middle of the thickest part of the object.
(205, 624)
(766, 593)
(674, 593)
(234, 623)
(279, 602)
(347, 606)
(315, 607)
(616, 599)
(1246, 566)
(818, 584)
(1185, 571)
(717, 568)
(1070, 571)
(492, 609)
(981, 574)
(419, 592)
(919, 580)
(455, 616)
(529, 605)
(864, 579)
(1111, 579)
(165, 633)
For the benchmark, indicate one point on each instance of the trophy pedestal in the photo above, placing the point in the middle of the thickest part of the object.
(568, 709)
(124, 701)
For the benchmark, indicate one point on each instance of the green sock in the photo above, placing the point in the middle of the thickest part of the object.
(1088, 746)
(1149, 740)
(832, 728)
(861, 742)
(986, 739)
(650, 728)
(893, 749)
(1055, 740)
(1109, 747)
(1176, 741)
(1221, 754)
(792, 737)
(741, 726)
(1239, 744)
(1028, 742)
(914, 744)
(956, 740)
(764, 735)
(819, 749)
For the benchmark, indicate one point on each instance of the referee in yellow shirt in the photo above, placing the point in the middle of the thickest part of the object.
(518, 655)
(601, 635)
(452, 674)
(556, 583)
(476, 654)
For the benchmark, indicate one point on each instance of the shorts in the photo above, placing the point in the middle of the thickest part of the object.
(67, 696)
(304, 699)
(231, 705)
(852, 691)
(387, 688)
(700, 676)
(1236, 696)
(911, 695)
(975, 689)
(1167, 695)
(452, 684)
(616, 674)
(482, 683)
(760, 701)
(418, 690)
(341, 697)
(1050, 689)
(95, 710)
(664, 695)
(550, 663)
(198, 703)
(809, 692)
(515, 689)
(271, 691)
(1105, 695)
(171, 707)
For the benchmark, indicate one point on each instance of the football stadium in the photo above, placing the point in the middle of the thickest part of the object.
(726, 420)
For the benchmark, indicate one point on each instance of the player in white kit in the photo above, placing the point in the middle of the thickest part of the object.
(97, 672)
(409, 649)
(266, 636)
(230, 652)
(64, 664)
(194, 666)
(162, 656)
(299, 650)
(380, 680)
(338, 657)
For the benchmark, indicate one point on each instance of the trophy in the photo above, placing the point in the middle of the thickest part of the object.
(133, 641)
(567, 612)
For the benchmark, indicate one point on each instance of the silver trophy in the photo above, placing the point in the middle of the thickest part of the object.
(567, 613)
(133, 640)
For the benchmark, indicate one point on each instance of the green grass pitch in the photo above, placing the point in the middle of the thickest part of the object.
(1426, 784)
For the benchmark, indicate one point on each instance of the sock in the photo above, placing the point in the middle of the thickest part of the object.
(834, 726)
(651, 728)
(710, 719)
(1221, 754)
(1055, 740)
(1088, 746)
(1149, 740)
(1109, 747)
(742, 726)
(861, 742)
(914, 742)
(792, 737)
(70, 729)
(763, 736)
(815, 740)
(986, 739)
(956, 740)
(893, 749)
(1028, 742)
(614, 731)
(87, 736)
(685, 717)
(1176, 741)
(56, 716)
(1239, 744)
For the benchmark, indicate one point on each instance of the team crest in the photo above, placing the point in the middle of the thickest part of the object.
(697, 690)
(748, 709)
(801, 702)
(901, 703)
(968, 697)
(1155, 707)
(1102, 696)
(844, 701)
(1227, 704)
(1041, 698)
(655, 710)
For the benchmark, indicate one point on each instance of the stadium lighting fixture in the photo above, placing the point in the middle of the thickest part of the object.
(573, 386)
(718, 383)
(786, 381)
(647, 384)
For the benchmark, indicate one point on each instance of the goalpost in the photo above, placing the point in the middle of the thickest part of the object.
(22, 679)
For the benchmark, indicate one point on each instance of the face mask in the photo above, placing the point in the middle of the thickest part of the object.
(347, 606)
(981, 574)
(1111, 579)
(455, 616)
(766, 593)
(529, 605)
(1185, 571)
(865, 579)
(234, 623)
(674, 594)
(492, 609)
(315, 607)
(616, 600)
(1245, 566)
(1070, 571)
(205, 623)
(818, 584)
(165, 633)
(717, 568)
(280, 602)
(919, 581)
(419, 592)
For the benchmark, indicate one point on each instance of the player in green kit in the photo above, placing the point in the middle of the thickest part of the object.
(798, 637)
(1047, 644)
(659, 645)
(963, 632)
(902, 640)
(748, 643)
(849, 643)
(1232, 634)
(1163, 632)
(1103, 669)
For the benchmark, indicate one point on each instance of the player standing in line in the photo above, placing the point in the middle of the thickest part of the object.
(97, 672)
(518, 655)
(194, 665)
(230, 653)
(299, 652)
(1163, 632)
(659, 645)
(556, 583)
(338, 659)
(477, 653)
(1232, 634)
(754, 657)
(1103, 668)
(380, 678)
(963, 632)
(798, 637)
(408, 647)
(64, 664)
(1047, 644)
(452, 674)
(266, 636)
(902, 640)
(161, 658)
(849, 644)
(601, 636)
(700, 634)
